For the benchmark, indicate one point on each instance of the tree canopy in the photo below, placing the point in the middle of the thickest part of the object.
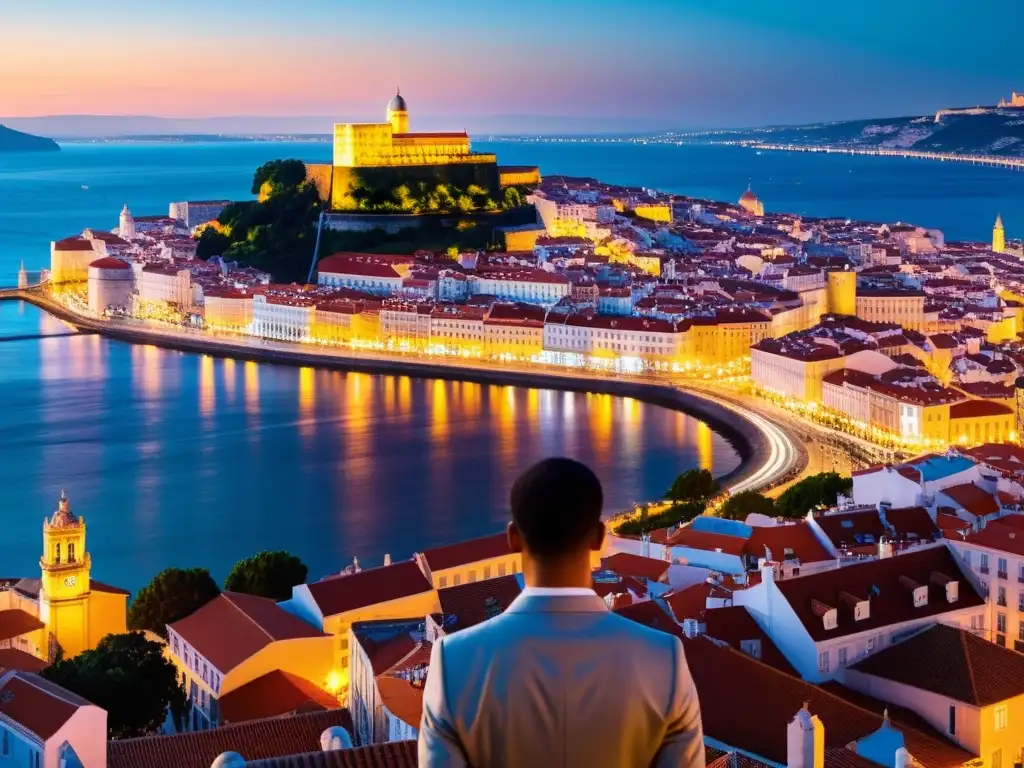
(172, 595)
(817, 490)
(674, 515)
(279, 175)
(737, 507)
(267, 574)
(129, 677)
(693, 485)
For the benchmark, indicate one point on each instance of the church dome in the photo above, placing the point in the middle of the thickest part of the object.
(748, 197)
(397, 103)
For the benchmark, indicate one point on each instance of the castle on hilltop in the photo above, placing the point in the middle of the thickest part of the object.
(1016, 100)
(385, 155)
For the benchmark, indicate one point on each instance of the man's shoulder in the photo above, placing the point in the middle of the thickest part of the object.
(631, 631)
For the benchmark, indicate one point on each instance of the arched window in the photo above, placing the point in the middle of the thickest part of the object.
(71, 552)
(56, 554)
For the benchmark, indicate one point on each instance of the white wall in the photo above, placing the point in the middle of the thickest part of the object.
(86, 732)
(888, 485)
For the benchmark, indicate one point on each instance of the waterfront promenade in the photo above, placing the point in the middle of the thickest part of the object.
(771, 450)
(1013, 163)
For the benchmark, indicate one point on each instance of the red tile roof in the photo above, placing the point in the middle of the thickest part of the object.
(339, 594)
(997, 535)
(709, 542)
(402, 698)
(233, 627)
(109, 262)
(970, 409)
(253, 740)
(12, 658)
(973, 499)
(73, 244)
(725, 678)
(734, 624)
(15, 622)
(466, 552)
(472, 603)
(853, 529)
(394, 754)
(688, 603)
(275, 693)
(99, 586)
(39, 706)
(651, 614)
(912, 523)
(973, 670)
(798, 538)
(627, 564)
(893, 602)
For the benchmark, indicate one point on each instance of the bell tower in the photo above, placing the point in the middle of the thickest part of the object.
(64, 587)
(998, 236)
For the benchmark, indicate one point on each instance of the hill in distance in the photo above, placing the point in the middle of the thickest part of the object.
(979, 131)
(16, 141)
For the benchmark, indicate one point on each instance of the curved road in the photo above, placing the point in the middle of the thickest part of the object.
(771, 452)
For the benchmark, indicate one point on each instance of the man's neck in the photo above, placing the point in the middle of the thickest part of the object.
(557, 576)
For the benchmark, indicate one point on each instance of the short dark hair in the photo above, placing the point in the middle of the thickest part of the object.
(556, 505)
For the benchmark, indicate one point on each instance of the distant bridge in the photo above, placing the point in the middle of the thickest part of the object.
(1013, 163)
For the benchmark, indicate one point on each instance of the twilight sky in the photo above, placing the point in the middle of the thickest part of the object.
(555, 64)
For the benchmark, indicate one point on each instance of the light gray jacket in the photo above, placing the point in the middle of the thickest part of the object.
(559, 681)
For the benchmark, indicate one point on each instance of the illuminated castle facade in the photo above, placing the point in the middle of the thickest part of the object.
(388, 154)
(1016, 100)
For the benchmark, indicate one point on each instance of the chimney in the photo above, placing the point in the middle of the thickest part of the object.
(952, 586)
(387, 559)
(805, 741)
(884, 547)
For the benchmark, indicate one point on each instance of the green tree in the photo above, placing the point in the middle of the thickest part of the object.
(693, 485)
(129, 677)
(646, 522)
(815, 491)
(212, 243)
(745, 503)
(172, 595)
(267, 574)
(280, 174)
(513, 197)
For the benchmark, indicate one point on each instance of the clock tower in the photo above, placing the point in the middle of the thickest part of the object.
(64, 588)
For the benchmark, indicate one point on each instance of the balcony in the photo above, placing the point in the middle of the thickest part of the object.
(1020, 577)
(1001, 601)
(1002, 575)
(983, 569)
(1018, 645)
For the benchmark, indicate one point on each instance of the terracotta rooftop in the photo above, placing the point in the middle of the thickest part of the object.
(73, 244)
(12, 658)
(709, 542)
(651, 614)
(891, 601)
(402, 698)
(970, 409)
(725, 676)
(627, 564)
(734, 624)
(394, 754)
(339, 594)
(689, 602)
(477, 601)
(973, 670)
(15, 622)
(853, 529)
(275, 693)
(466, 552)
(972, 499)
(232, 627)
(998, 535)
(254, 740)
(39, 706)
(912, 524)
(786, 541)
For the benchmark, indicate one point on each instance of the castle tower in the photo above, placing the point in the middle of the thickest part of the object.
(22, 276)
(64, 588)
(841, 292)
(998, 236)
(398, 114)
(126, 225)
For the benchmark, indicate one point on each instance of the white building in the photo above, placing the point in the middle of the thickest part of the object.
(995, 555)
(405, 323)
(826, 621)
(913, 483)
(70, 259)
(196, 212)
(614, 336)
(164, 283)
(285, 315)
(45, 726)
(532, 286)
(126, 225)
(377, 275)
(111, 284)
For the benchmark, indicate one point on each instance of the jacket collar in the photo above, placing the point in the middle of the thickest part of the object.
(527, 603)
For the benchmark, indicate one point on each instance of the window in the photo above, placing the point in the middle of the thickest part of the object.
(56, 553)
(842, 657)
(1001, 567)
(344, 644)
(1000, 713)
(952, 720)
(1001, 596)
(344, 662)
(472, 576)
(71, 552)
(1000, 622)
(5, 742)
(456, 579)
(871, 644)
(501, 569)
(997, 759)
(487, 572)
(984, 563)
(442, 582)
(823, 662)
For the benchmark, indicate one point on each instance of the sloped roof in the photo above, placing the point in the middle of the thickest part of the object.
(402, 698)
(339, 594)
(466, 552)
(733, 624)
(275, 693)
(951, 662)
(39, 706)
(972, 499)
(627, 564)
(472, 603)
(893, 602)
(15, 622)
(12, 658)
(393, 754)
(232, 627)
(778, 538)
(862, 528)
(254, 740)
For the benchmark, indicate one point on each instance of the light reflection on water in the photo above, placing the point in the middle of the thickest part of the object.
(188, 460)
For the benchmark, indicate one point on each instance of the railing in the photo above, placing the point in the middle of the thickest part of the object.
(1002, 575)
(984, 569)
(1001, 601)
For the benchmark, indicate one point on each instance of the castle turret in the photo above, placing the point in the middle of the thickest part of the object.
(398, 114)
(22, 276)
(126, 227)
(998, 236)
